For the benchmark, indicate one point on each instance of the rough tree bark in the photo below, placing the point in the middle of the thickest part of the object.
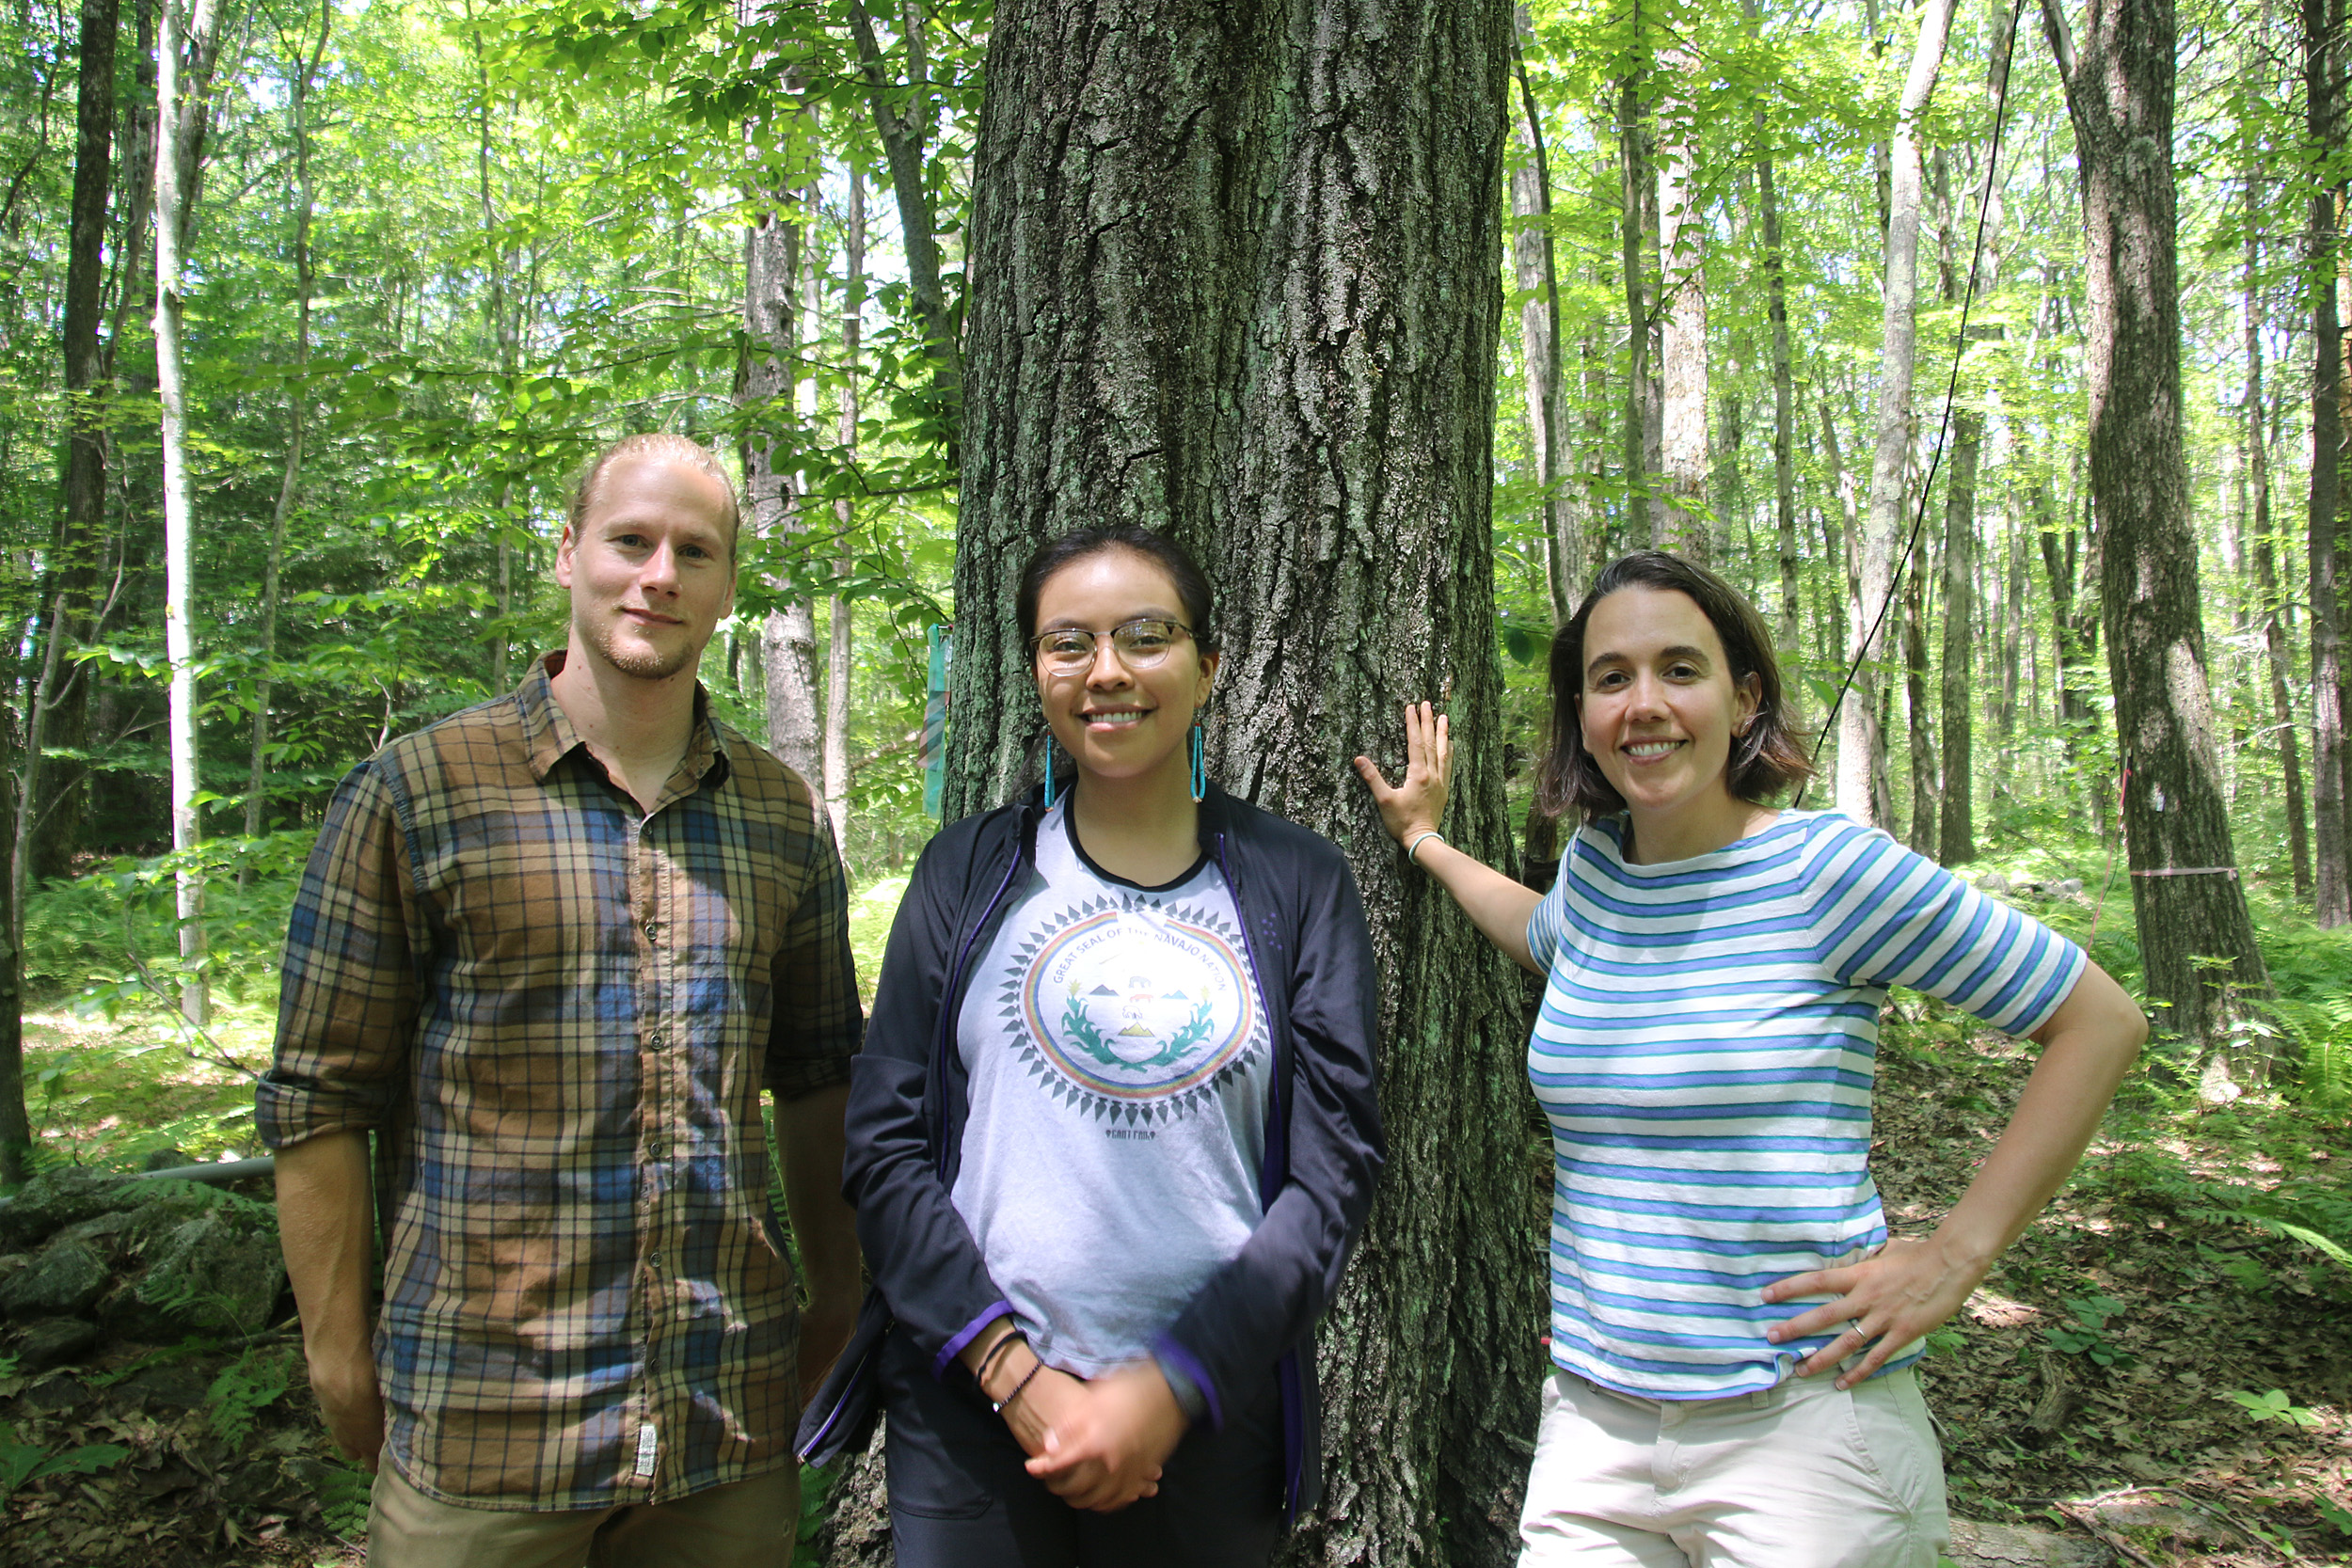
(1535, 263)
(1858, 748)
(1237, 274)
(2196, 938)
(2331, 800)
(16, 1133)
(1681, 521)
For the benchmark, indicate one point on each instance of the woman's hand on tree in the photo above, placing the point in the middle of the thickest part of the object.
(1105, 1448)
(1900, 1293)
(1418, 804)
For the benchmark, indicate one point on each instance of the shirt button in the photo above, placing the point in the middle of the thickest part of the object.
(653, 931)
(655, 1041)
(653, 1259)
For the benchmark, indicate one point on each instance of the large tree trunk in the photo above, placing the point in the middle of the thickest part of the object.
(1237, 275)
(1535, 268)
(1682, 523)
(2331, 795)
(1899, 340)
(2196, 939)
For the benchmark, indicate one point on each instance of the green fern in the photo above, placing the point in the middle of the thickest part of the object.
(2322, 1033)
(245, 1388)
(344, 1499)
(20, 1463)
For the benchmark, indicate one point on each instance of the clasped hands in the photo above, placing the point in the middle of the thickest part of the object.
(1096, 1444)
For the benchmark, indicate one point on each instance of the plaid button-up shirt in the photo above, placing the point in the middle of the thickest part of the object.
(558, 1013)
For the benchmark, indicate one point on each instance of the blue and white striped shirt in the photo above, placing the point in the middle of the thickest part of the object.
(1705, 1055)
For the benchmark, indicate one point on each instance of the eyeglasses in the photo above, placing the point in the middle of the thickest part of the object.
(1141, 644)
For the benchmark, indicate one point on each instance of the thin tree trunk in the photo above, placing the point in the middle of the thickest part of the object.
(2280, 657)
(1899, 340)
(838, 660)
(1534, 261)
(16, 1130)
(1840, 532)
(1923, 826)
(768, 382)
(1682, 523)
(2332, 792)
(1154, 344)
(2196, 938)
(297, 98)
(178, 111)
(59, 708)
(1633, 168)
(1956, 833)
(903, 137)
(1784, 386)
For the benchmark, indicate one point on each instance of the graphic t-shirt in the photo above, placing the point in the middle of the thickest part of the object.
(1705, 1053)
(1119, 1067)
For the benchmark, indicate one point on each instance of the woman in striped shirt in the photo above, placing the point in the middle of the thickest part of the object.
(1732, 1329)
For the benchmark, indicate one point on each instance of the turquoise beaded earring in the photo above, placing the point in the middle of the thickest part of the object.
(1049, 770)
(1199, 759)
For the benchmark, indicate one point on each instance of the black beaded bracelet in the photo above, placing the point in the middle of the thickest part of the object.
(997, 1408)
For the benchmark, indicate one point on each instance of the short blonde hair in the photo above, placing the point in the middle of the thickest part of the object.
(658, 445)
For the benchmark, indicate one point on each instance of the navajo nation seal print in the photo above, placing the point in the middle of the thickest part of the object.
(1132, 1010)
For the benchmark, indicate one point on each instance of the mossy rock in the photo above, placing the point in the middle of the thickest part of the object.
(56, 1198)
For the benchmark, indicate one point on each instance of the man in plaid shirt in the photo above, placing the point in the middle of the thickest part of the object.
(550, 951)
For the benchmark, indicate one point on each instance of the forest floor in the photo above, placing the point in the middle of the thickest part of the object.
(2115, 1376)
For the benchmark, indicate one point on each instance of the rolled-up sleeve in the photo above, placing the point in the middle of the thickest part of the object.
(347, 998)
(818, 1023)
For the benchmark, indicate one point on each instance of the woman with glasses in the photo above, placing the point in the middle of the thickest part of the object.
(1732, 1330)
(1113, 1131)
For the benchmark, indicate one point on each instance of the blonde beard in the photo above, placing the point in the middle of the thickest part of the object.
(645, 666)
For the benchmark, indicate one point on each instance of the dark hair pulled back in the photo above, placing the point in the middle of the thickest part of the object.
(1765, 760)
(1068, 549)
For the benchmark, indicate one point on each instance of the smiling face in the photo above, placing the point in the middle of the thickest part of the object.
(1117, 723)
(1658, 711)
(649, 567)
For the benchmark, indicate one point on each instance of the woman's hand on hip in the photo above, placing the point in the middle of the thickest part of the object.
(1105, 1449)
(1897, 1294)
(1418, 804)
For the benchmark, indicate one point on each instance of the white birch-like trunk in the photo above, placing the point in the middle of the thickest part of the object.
(171, 378)
(1858, 740)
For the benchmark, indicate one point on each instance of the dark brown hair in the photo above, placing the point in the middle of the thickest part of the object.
(1764, 761)
(1192, 586)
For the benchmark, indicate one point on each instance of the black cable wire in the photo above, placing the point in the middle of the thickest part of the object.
(1951, 395)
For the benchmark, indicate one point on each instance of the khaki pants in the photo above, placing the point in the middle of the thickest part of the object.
(749, 1524)
(1800, 1476)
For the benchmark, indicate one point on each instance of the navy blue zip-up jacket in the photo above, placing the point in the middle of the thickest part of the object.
(1303, 922)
